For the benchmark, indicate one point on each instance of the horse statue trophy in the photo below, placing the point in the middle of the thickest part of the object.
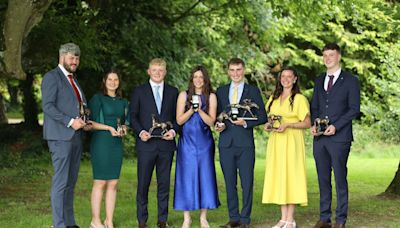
(321, 125)
(84, 112)
(246, 106)
(273, 120)
(165, 127)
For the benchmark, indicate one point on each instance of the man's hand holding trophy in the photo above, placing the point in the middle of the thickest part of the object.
(322, 127)
(238, 114)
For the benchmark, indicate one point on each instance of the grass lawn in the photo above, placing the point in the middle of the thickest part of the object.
(25, 202)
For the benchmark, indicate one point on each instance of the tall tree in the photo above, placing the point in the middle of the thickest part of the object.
(20, 18)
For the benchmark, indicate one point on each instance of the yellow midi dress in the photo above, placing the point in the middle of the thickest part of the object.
(285, 174)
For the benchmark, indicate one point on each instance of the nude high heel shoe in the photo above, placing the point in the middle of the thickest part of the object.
(280, 224)
(186, 223)
(293, 224)
(204, 223)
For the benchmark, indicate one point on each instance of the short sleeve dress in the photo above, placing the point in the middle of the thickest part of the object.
(285, 175)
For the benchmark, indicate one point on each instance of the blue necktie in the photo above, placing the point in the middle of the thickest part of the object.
(158, 99)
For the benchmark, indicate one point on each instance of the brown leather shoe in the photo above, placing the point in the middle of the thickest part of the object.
(162, 224)
(338, 225)
(230, 224)
(142, 225)
(244, 225)
(322, 224)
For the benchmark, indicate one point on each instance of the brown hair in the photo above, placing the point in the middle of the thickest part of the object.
(207, 89)
(118, 92)
(279, 88)
(236, 61)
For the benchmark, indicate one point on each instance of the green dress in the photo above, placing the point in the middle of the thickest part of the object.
(106, 150)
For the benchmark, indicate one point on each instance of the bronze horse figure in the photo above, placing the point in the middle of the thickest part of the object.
(246, 105)
(156, 124)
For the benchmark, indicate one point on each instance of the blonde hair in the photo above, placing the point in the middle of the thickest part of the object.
(158, 61)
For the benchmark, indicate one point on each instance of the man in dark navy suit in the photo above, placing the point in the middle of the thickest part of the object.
(337, 98)
(236, 143)
(154, 98)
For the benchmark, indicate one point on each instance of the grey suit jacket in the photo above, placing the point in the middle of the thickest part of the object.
(59, 104)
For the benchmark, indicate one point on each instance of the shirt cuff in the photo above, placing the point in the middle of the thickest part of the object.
(245, 124)
(141, 133)
(70, 123)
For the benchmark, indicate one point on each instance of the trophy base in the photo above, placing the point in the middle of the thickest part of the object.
(156, 136)
(248, 118)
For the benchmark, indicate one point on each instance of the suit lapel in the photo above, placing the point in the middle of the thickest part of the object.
(164, 99)
(67, 83)
(226, 100)
(245, 92)
(339, 82)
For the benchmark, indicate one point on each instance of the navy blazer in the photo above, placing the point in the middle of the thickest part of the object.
(59, 104)
(143, 105)
(340, 105)
(234, 135)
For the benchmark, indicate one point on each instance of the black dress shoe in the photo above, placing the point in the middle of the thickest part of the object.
(162, 224)
(230, 224)
(74, 226)
(142, 225)
(322, 224)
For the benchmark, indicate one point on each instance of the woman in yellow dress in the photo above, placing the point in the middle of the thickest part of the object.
(285, 174)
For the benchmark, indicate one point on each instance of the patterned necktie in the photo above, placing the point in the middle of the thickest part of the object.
(234, 95)
(78, 95)
(158, 99)
(330, 82)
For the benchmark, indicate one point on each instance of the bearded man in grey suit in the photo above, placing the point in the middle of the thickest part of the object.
(62, 128)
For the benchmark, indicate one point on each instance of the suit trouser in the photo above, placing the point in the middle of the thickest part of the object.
(330, 155)
(240, 159)
(66, 158)
(162, 160)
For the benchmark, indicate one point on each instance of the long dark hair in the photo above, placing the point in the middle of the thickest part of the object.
(279, 88)
(207, 89)
(118, 92)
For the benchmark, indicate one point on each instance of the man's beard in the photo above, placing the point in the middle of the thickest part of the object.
(68, 68)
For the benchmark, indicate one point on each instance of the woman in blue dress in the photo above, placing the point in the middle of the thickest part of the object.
(195, 179)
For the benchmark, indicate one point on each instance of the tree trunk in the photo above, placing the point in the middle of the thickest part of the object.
(21, 17)
(13, 92)
(3, 117)
(394, 187)
(29, 104)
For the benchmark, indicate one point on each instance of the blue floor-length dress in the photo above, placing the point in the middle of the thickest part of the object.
(195, 179)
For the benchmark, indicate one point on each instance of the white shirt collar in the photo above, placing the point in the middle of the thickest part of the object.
(156, 84)
(336, 73)
(65, 72)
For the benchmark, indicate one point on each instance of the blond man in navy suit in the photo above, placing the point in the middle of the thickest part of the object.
(157, 98)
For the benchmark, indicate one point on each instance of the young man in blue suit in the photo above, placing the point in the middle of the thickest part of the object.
(337, 98)
(236, 143)
(62, 128)
(157, 98)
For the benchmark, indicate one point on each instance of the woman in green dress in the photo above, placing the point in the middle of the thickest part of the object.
(108, 115)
